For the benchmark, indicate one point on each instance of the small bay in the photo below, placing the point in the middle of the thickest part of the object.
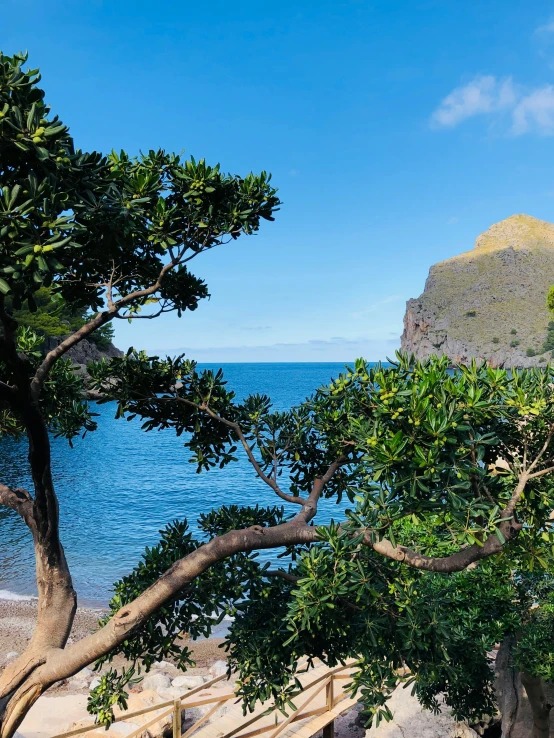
(119, 485)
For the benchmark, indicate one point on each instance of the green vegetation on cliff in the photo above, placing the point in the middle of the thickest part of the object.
(54, 318)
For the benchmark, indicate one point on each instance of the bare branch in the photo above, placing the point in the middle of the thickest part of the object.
(237, 429)
(96, 322)
(541, 473)
(309, 507)
(542, 451)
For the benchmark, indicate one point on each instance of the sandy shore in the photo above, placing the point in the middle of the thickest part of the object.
(17, 622)
(64, 705)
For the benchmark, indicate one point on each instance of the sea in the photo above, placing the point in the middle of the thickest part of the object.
(118, 486)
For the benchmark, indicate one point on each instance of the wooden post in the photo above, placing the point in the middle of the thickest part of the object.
(329, 729)
(177, 719)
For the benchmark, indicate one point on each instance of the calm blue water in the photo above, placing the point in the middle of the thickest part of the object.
(120, 485)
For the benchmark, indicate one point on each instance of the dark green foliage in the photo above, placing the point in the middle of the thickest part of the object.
(233, 517)
(496, 339)
(73, 220)
(548, 344)
(64, 408)
(530, 352)
(550, 299)
(513, 332)
(471, 314)
(53, 318)
(78, 230)
(515, 343)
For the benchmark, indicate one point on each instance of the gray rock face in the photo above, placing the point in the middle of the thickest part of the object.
(488, 303)
(85, 351)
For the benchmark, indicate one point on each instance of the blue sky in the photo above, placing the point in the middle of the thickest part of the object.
(395, 131)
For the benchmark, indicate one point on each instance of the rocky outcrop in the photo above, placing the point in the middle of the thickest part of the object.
(84, 352)
(488, 303)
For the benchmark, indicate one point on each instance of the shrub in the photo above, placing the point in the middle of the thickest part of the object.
(513, 331)
(471, 314)
(514, 343)
(548, 344)
(530, 352)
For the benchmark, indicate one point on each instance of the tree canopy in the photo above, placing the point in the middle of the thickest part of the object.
(434, 463)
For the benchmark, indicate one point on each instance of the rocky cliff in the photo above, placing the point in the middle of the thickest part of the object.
(489, 303)
(84, 352)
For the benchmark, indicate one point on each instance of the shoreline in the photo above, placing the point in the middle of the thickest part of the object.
(17, 623)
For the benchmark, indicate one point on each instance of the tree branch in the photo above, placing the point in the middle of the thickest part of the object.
(238, 430)
(19, 500)
(542, 451)
(99, 320)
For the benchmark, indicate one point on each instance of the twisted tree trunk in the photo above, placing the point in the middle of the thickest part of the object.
(57, 600)
(509, 691)
(534, 687)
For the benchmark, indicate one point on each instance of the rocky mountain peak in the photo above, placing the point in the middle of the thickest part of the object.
(489, 302)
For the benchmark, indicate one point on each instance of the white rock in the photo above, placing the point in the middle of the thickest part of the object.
(11, 656)
(74, 684)
(95, 682)
(161, 665)
(156, 682)
(410, 719)
(85, 673)
(172, 693)
(187, 682)
(218, 668)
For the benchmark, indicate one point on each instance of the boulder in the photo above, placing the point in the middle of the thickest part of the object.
(156, 682)
(187, 682)
(410, 719)
(218, 668)
(171, 693)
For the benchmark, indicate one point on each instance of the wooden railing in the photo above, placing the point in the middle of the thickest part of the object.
(175, 707)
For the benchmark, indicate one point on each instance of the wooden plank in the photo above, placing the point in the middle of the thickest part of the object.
(203, 719)
(177, 719)
(136, 713)
(235, 723)
(304, 704)
(144, 727)
(118, 719)
(208, 700)
(303, 716)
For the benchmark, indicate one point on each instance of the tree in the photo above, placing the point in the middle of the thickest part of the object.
(443, 470)
(109, 235)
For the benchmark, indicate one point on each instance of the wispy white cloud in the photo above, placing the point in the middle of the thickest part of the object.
(548, 27)
(484, 94)
(337, 348)
(530, 111)
(535, 112)
(376, 305)
(453, 220)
